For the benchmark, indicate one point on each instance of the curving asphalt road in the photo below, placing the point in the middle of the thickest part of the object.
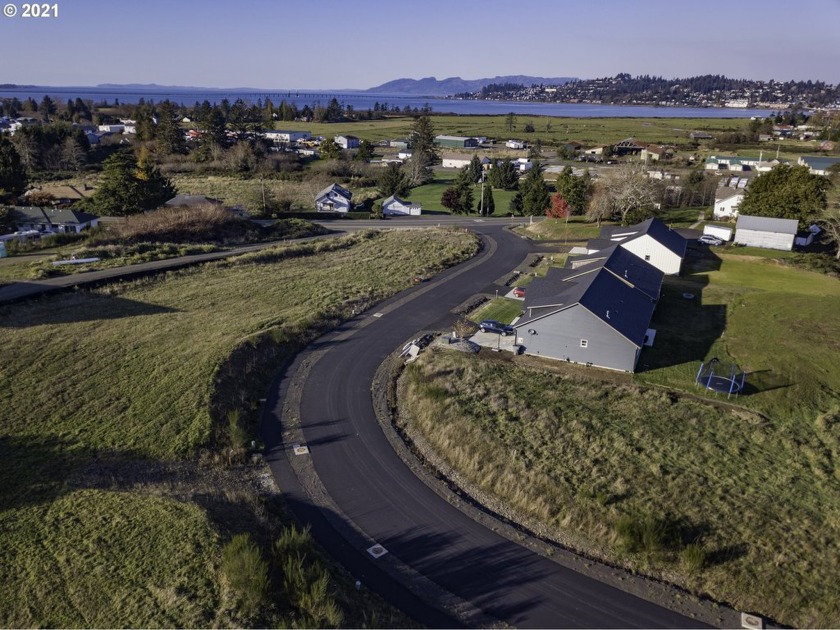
(373, 491)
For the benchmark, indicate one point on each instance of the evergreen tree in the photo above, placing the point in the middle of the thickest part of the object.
(365, 151)
(423, 151)
(475, 169)
(464, 185)
(125, 188)
(504, 175)
(13, 176)
(535, 195)
(488, 204)
(169, 136)
(575, 190)
(393, 181)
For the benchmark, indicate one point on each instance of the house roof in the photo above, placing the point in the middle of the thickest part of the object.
(444, 137)
(819, 163)
(653, 227)
(767, 224)
(334, 187)
(456, 156)
(54, 216)
(63, 191)
(725, 193)
(624, 265)
(617, 303)
(191, 200)
(394, 198)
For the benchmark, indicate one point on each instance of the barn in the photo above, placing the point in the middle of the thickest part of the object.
(766, 232)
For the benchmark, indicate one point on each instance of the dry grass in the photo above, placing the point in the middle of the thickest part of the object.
(666, 484)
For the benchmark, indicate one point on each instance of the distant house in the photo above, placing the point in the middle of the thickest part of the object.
(818, 165)
(62, 194)
(766, 232)
(112, 128)
(454, 160)
(700, 135)
(628, 146)
(399, 144)
(515, 144)
(651, 153)
(394, 206)
(334, 198)
(456, 142)
(51, 220)
(651, 240)
(594, 312)
(523, 165)
(727, 201)
(347, 142)
(281, 136)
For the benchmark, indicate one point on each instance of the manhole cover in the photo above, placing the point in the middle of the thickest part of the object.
(377, 551)
(300, 449)
(377, 314)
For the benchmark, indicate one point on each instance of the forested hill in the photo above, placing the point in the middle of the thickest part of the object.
(706, 90)
(430, 86)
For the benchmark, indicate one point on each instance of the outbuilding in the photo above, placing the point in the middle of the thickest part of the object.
(394, 206)
(767, 232)
(456, 142)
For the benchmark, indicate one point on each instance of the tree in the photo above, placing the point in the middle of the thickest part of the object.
(787, 192)
(535, 195)
(624, 190)
(423, 151)
(475, 169)
(575, 190)
(560, 208)
(125, 188)
(449, 199)
(510, 121)
(47, 108)
(515, 206)
(488, 204)
(73, 156)
(529, 127)
(13, 176)
(329, 149)
(504, 175)
(365, 151)
(465, 185)
(393, 181)
(169, 136)
(831, 224)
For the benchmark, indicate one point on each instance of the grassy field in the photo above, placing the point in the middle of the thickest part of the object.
(549, 130)
(740, 502)
(501, 309)
(130, 373)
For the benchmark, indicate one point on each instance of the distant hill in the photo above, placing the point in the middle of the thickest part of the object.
(430, 86)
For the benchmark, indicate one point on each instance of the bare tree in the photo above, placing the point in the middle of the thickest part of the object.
(624, 190)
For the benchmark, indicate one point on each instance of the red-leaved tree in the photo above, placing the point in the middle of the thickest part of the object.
(560, 208)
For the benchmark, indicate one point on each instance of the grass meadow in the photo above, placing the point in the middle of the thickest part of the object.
(129, 373)
(740, 501)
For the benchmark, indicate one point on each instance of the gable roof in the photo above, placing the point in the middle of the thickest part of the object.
(335, 187)
(54, 216)
(624, 265)
(619, 304)
(722, 194)
(767, 224)
(394, 198)
(653, 227)
(819, 163)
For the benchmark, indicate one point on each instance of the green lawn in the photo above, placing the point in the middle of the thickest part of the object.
(501, 309)
(139, 371)
(739, 502)
(576, 230)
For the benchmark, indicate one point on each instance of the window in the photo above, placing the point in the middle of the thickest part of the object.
(584, 343)
(647, 257)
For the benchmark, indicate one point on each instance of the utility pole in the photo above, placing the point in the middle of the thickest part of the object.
(481, 204)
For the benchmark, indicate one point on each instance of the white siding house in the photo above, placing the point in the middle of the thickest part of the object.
(515, 144)
(455, 160)
(766, 232)
(347, 142)
(394, 206)
(652, 241)
(285, 136)
(334, 198)
(727, 201)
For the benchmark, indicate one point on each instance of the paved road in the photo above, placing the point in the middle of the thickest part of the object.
(372, 487)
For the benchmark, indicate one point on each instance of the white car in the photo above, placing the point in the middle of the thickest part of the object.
(709, 239)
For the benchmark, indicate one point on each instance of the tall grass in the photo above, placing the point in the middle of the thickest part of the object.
(723, 500)
(162, 368)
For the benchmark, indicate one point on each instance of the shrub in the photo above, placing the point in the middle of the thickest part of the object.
(247, 574)
(693, 557)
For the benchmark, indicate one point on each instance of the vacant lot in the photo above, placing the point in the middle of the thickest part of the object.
(128, 374)
(741, 502)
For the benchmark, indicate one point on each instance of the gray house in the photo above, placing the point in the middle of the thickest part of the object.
(51, 220)
(596, 311)
(766, 232)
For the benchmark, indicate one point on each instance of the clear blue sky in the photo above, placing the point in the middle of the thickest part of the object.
(363, 43)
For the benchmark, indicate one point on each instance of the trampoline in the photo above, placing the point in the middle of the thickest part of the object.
(720, 378)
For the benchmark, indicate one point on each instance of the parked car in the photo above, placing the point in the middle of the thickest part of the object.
(709, 239)
(492, 326)
(518, 292)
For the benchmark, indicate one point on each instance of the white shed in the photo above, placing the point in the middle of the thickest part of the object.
(727, 201)
(766, 232)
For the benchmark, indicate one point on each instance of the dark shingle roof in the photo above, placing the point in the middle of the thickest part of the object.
(601, 288)
(653, 227)
(55, 216)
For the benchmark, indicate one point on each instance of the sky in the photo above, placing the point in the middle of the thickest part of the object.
(357, 44)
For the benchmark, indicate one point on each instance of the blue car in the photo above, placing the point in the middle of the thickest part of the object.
(492, 326)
